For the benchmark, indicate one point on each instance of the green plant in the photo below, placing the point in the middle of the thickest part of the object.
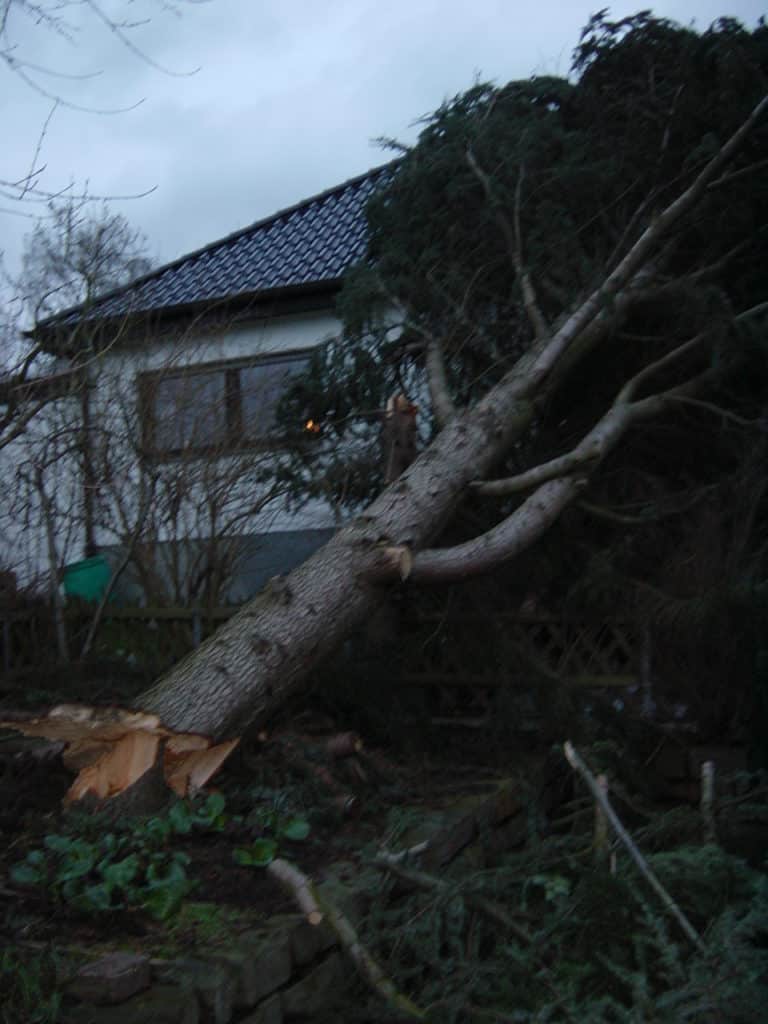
(184, 816)
(104, 875)
(265, 848)
(28, 988)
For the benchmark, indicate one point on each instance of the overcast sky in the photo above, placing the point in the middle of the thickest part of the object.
(287, 101)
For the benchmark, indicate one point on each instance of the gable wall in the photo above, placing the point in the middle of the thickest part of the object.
(23, 543)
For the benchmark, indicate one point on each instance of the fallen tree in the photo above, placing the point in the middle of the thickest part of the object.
(619, 254)
(262, 655)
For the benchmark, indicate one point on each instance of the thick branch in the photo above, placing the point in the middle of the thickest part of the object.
(511, 536)
(603, 436)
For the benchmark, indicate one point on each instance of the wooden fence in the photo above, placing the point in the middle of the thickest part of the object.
(27, 636)
(434, 650)
(484, 650)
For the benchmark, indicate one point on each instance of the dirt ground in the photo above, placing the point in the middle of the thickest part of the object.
(353, 808)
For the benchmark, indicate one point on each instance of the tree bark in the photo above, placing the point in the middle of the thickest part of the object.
(261, 656)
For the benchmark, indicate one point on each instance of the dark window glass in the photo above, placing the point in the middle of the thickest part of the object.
(261, 388)
(190, 411)
(222, 407)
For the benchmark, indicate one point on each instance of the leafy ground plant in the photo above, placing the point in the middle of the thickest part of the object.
(128, 868)
(107, 874)
(275, 828)
(27, 988)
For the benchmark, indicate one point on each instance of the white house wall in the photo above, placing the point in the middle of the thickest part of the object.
(45, 443)
(122, 367)
(262, 338)
(292, 532)
(23, 542)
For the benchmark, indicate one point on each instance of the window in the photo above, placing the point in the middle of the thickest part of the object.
(226, 407)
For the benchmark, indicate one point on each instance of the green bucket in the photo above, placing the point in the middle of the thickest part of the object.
(87, 579)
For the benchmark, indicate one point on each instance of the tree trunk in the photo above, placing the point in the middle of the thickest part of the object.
(252, 664)
(257, 659)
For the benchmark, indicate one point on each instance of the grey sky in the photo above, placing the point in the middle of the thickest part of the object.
(288, 98)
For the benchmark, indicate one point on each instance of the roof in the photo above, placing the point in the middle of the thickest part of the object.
(310, 244)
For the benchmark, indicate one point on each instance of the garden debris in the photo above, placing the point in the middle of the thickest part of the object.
(111, 748)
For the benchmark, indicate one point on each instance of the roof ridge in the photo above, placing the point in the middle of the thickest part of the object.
(222, 242)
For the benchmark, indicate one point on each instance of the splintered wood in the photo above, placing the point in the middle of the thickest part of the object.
(111, 748)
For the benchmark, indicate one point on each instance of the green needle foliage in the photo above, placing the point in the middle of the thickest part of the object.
(28, 988)
(588, 945)
(580, 165)
(556, 178)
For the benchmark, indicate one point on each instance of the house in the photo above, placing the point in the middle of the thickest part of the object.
(173, 435)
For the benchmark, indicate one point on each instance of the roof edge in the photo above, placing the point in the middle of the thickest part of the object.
(50, 322)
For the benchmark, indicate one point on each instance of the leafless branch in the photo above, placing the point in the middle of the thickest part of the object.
(598, 793)
(602, 437)
(758, 310)
(513, 237)
(442, 403)
(118, 30)
(505, 540)
(546, 356)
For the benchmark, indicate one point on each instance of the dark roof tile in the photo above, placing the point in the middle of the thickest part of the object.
(311, 243)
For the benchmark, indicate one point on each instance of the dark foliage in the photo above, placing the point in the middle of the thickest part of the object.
(671, 532)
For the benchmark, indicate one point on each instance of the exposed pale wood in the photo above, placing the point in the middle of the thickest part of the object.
(396, 559)
(122, 765)
(186, 772)
(112, 747)
(299, 886)
(344, 744)
(577, 763)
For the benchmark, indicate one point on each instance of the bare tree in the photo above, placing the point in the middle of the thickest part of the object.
(23, 188)
(76, 253)
(27, 190)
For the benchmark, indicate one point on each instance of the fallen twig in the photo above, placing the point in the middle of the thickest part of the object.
(421, 880)
(300, 887)
(576, 762)
(317, 908)
(365, 965)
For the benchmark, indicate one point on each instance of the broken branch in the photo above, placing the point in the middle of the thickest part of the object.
(576, 762)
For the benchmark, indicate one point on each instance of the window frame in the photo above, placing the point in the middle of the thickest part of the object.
(236, 439)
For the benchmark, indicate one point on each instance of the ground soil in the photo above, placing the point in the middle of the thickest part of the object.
(348, 817)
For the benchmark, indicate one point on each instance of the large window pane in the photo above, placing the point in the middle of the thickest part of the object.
(261, 388)
(190, 411)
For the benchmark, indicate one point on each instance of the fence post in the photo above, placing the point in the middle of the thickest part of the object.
(197, 628)
(7, 655)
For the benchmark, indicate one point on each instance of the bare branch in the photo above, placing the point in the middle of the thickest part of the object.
(758, 310)
(530, 302)
(505, 540)
(116, 29)
(628, 391)
(598, 793)
(640, 252)
(602, 437)
(442, 403)
(741, 173)
(717, 410)
(513, 237)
